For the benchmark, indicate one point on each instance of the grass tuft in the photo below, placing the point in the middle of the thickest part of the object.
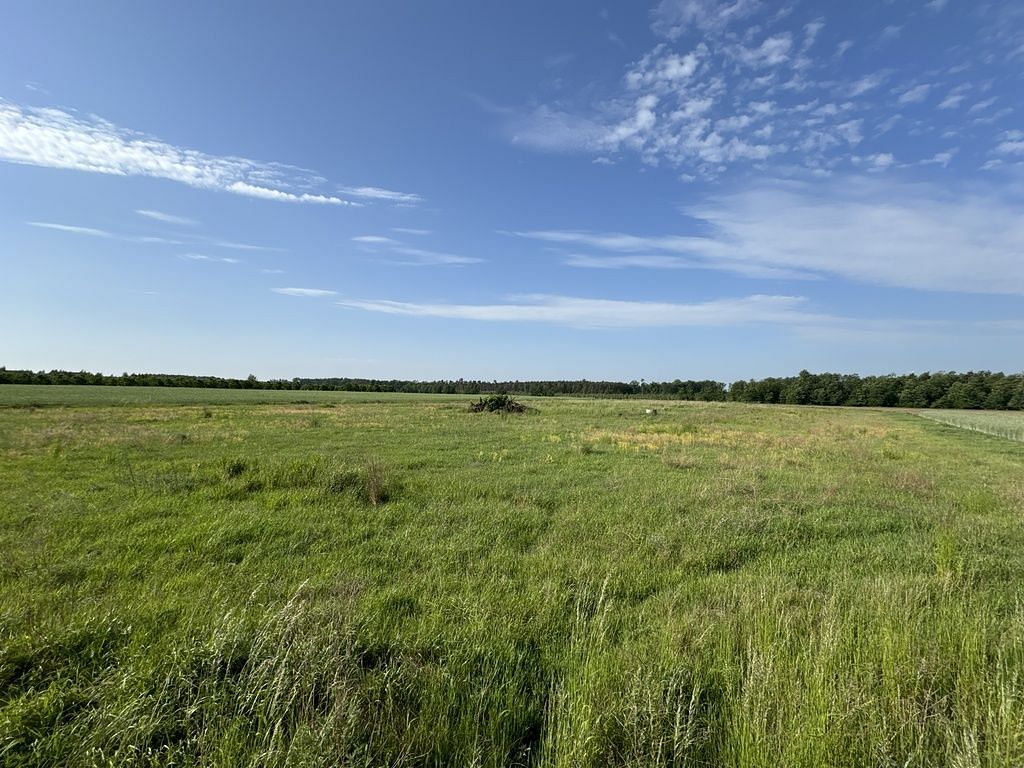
(377, 484)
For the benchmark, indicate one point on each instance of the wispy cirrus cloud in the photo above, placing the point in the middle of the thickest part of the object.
(414, 256)
(166, 218)
(868, 229)
(604, 313)
(155, 240)
(667, 261)
(305, 292)
(204, 257)
(244, 246)
(73, 229)
(377, 194)
(915, 94)
(55, 138)
(868, 83)
(424, 257)
(787, 312)
(95, 232)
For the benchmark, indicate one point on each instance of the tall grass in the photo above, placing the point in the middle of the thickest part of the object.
(407, 584)
(1008, 424)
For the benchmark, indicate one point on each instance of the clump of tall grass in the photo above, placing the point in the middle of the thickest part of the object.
(377, 484)
(234, 468)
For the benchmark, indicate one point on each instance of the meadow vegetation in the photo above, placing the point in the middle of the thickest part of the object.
(1006, 424)
(189, 579)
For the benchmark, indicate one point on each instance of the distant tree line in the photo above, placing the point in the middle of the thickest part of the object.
(980, 389)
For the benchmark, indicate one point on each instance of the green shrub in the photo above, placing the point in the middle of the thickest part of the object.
(497, 403)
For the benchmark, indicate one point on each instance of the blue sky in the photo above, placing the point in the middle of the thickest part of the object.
(691, 189)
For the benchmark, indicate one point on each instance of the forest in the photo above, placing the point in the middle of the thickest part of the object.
(970, 390)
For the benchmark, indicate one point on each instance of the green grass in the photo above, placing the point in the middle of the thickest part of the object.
(401, 582)
(1008, 424)
(70, 394)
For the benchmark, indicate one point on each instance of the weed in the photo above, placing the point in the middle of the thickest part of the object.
(376, 483)
(234, 468)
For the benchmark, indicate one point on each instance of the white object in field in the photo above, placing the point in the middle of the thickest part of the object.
(651, 411)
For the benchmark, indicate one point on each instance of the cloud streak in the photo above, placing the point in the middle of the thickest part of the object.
(151, 239)
(862, 228)
(415, 257)
(166, 218)
(604, 313)
(305, 292)
(54, 138)
(377, 194)
(94, 232)
(204, 257)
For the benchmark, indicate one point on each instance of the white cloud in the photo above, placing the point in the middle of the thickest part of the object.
(91, 231)
(54, 138)
(811, 31)
(875, 230)
(868, 83)
(884, 232)
(166, 218)
(850, 131)
(954, 97)
(916, 94)
(940, 158)
(994, 117)
(553, 130)
(662, 70)
(244, 246)
(1010, 148)
(891, 32)
(412, 231)
(272, 271)
(688, 103)
(94, 232)
(772, 52)
(673, 18)
(306, 292)
(604, 313)
(666, 261)
(424, 257)
(880, 161)
(982, 105)
(382, 195)
(204, 257)
(419, 256)
(150, 239)
(267, 193)
(684, 252)
(936, 5)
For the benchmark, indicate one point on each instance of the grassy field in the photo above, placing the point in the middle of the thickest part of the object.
(210, 578)
(1008, 424)
(61, 394)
